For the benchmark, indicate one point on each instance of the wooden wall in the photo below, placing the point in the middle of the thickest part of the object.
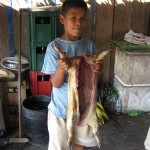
(113, 20)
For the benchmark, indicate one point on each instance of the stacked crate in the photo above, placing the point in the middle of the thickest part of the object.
(42, 30)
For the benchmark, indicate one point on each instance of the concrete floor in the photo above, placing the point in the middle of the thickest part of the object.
(119, 133)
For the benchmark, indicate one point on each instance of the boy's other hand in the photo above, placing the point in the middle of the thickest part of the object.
(97, 67)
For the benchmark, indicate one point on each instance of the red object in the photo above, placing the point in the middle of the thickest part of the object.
(40, 83)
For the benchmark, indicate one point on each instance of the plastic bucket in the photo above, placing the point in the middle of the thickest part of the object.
(35, 109)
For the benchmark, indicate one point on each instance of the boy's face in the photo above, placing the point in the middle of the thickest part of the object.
(74, 22)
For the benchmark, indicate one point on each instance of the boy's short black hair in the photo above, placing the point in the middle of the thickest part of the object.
(73, 3)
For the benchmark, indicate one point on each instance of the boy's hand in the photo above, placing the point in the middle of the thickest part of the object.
(64, 63)
(97, 67)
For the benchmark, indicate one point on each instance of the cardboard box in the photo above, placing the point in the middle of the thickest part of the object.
(10, 92)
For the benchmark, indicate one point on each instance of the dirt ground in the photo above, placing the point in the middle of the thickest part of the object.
(119, 133)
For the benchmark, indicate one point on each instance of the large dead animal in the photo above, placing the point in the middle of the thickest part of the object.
(82, 86)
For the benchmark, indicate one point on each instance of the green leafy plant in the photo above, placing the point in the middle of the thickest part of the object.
(126, 46)
(108, 92)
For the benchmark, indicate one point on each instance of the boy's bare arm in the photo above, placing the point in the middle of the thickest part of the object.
(58, 78)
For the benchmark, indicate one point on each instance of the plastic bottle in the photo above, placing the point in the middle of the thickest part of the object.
(118, 106)
(1, 133)
(133, 113)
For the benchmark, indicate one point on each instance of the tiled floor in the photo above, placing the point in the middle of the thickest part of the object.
(119, 133)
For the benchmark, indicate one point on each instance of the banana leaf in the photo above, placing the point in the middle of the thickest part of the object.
(126, 46)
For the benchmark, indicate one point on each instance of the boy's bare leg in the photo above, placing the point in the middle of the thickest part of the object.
(78, 147)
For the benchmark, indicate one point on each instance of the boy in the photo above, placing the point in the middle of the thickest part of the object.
(73, 18)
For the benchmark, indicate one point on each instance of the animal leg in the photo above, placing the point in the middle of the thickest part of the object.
(70, 128)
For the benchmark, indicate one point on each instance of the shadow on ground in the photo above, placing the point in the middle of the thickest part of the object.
(119, 133)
